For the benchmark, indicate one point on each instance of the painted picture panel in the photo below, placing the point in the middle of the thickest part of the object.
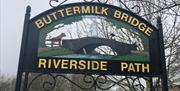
(93, 38)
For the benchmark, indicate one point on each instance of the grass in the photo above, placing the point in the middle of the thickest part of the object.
(87, 56)
(132, 57)
(53, 52)
(63, 52)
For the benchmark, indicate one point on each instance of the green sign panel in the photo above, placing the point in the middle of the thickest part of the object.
(91, 38)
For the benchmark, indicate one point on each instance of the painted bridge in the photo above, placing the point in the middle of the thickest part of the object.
(90, 43)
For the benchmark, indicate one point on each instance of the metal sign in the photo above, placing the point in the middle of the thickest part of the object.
(90, 38)
(54, 47)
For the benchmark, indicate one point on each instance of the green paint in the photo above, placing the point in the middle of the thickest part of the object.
(49, 52)
(132, 57)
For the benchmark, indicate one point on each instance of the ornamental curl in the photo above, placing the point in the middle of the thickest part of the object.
(55, 3)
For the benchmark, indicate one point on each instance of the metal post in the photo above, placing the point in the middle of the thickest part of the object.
(151, 84)
(25, 86)
(164, 82)
(23, 47)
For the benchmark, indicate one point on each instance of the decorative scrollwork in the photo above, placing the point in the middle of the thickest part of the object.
(46, 85)
(100, 1)
(138, 85)
(88, 82)
(55, 3)
(136, 9)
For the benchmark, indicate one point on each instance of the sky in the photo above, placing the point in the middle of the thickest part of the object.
(12, 13)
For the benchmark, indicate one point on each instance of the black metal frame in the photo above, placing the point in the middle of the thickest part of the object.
(94, 81)
(162, 55)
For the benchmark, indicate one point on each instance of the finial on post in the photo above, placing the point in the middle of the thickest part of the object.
(159, 23)
(28, 9)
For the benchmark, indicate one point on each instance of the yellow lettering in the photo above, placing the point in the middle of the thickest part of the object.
(88, 65)
(64, 64)
(92, 9)
(47, 20)
(95, 65)
(49, 63)
(82, 65)
(142, 26)
(39, 23)
(85, 9)
(135, 22)
(56, 64)
(76, 10)
(42, 63)
(104, 11)
(69, 11)
(130, 18)
(96, 10)
(148, 31)
(73, 64)
(145, 67)
(117, 14)
(61, 12)
(137, 66)
(131, 67)
(124, 17)
(54, 15)
(103, 65)
(124, 66)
